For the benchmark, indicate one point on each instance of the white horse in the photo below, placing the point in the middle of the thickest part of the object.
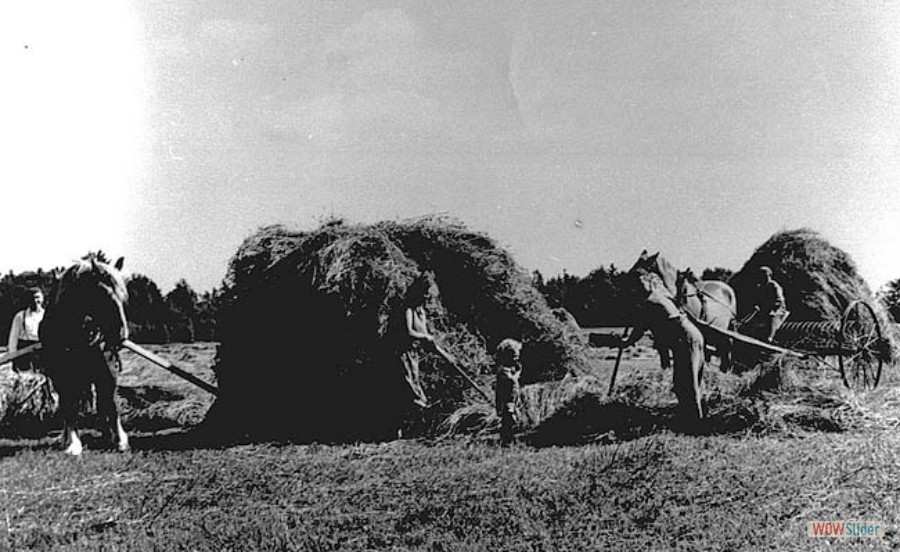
(712, 302)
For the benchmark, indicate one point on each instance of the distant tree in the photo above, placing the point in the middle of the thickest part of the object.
(537, 280)
(558, 290)
(183, 309)
(598, 299)
(890, 296)
(146, 310)
(206, 324)
(717, 273)
(98, 255)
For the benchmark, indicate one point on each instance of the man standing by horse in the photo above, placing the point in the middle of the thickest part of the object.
(658, 311)
(24, 331)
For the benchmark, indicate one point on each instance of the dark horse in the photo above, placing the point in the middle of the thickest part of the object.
(81, 334)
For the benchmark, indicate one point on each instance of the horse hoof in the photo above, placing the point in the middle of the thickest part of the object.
(74, 450)
(123, 447)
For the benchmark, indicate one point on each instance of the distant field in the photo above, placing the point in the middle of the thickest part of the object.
(197, 358)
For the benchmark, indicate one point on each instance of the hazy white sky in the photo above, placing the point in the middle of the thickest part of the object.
(575, 133)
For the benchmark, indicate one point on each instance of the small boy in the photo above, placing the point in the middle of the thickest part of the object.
(507, 386)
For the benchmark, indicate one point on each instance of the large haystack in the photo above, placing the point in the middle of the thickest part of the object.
(308, 347)
(819, 279)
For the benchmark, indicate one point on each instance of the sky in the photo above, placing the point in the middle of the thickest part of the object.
(575, 134)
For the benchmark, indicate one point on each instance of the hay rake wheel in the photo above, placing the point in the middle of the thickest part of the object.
(861, 341)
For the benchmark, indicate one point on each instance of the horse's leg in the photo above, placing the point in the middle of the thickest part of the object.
(113, 425)
(662, 342)
(106, 403)
(725, 354)
(663, 353)
(68, 409)
(687, 374)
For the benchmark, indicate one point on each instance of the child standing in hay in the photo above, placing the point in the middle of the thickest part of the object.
(506, 389)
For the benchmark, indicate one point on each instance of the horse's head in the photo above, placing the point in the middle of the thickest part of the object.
(93, 292)
(651, 269)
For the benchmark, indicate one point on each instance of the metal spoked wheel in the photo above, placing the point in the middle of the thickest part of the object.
(862, 347)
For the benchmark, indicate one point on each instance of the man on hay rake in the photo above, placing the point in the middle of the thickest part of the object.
(770, 310)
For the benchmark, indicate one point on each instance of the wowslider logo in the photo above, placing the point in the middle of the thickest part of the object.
(846, 528)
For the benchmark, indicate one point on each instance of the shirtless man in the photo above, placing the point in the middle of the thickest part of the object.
(416, 323)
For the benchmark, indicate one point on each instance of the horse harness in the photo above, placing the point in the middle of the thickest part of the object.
(703, 296)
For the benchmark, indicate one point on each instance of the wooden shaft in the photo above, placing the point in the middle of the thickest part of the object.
(745, 338)
(20, 352)
(612, 380)
(163, 363)
(462, 372)
(134, 347)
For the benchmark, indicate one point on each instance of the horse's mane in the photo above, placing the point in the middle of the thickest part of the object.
(659, 266)
(92, 265)
(689, 277)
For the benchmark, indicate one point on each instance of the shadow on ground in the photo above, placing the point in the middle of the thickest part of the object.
(166, 440)
(589, 419)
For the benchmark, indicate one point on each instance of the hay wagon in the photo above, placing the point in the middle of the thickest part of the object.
(856, 341)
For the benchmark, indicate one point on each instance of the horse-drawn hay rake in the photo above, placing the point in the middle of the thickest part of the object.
(857, 341)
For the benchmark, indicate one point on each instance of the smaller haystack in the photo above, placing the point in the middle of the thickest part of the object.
(27, 402)
(312, 321)
(819, 279)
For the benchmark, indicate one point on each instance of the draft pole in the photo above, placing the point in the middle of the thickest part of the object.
(612, 381)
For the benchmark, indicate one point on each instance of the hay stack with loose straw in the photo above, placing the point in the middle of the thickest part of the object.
(310, 331)
(27, 402)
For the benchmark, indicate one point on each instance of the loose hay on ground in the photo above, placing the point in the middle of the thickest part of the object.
(783, 396)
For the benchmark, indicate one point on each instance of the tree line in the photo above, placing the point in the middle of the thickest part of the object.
(182, 315)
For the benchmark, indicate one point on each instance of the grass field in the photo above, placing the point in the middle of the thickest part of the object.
(607, 474)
